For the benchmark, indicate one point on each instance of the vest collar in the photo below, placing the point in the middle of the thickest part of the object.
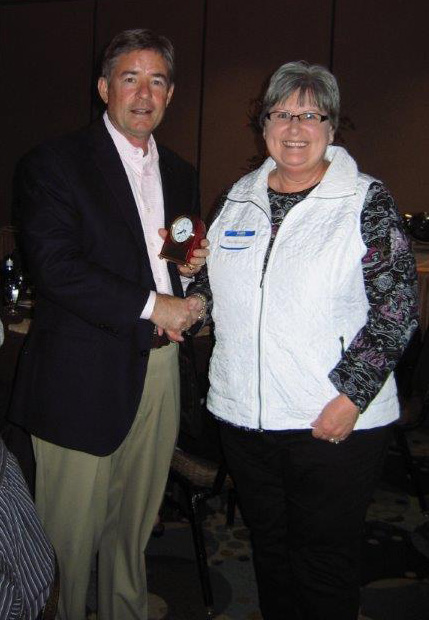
(339, 180)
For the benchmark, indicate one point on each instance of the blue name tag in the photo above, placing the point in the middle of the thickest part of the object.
(238, 239)
(239, 233)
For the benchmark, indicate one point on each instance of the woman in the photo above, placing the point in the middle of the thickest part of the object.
(313, 289)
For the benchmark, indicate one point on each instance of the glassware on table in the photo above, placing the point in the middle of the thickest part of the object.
(12, 285)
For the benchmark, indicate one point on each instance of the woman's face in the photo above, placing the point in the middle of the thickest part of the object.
(298, 149)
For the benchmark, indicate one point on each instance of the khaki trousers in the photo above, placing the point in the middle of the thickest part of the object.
(91, 504)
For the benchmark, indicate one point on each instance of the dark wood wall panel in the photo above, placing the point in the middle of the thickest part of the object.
(381, 59)
(182, 23)
(379, 51)
(245, 43)
(45, 78)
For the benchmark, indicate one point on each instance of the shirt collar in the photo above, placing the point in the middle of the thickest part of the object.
(134, 155)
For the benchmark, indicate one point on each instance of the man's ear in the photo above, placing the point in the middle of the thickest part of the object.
(170, 94)
(103, 89)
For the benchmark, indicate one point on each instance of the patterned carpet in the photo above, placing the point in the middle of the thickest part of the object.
(395, 580)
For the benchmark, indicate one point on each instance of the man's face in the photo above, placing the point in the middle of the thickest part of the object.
(137, 94)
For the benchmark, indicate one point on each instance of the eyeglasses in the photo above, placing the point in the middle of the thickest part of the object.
(306, 118)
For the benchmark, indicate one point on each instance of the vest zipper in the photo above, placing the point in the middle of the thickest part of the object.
(261, 286)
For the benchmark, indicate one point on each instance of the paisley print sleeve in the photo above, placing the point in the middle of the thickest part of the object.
(201, 283)
(390, 280)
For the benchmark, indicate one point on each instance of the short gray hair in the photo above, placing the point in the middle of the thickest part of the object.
(314, 80)
(138, 39)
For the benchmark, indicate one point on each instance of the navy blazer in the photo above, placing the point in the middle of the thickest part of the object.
(81, 371)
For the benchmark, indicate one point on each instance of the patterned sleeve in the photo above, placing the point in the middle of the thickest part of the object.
(390, 279)
(201, 284)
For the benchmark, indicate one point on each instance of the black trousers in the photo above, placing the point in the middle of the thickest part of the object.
(304, 501)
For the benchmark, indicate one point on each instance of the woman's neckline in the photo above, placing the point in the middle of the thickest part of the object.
(307, 190)
(278, 179)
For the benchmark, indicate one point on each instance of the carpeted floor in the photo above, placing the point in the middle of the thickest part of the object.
(395, 579)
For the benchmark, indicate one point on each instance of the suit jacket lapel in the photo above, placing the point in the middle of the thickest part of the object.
(110, 165)
(170, 213)
(166, 179)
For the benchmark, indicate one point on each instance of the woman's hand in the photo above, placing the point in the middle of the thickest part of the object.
(197, 259)
(337, 419)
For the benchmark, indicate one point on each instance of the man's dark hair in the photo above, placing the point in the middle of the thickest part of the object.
(138, 39)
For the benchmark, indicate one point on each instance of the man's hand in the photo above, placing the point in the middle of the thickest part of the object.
(195, 304)
(197, 259)
(337, 419)
(174, 314)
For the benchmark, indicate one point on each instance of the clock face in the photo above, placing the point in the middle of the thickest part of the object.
(182, 229)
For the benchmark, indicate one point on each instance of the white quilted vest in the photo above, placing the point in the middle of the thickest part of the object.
(279, 335)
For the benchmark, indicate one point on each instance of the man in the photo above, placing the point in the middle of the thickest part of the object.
(97, 385)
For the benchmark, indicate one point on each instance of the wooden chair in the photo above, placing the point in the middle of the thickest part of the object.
(201, 479)
(197, 466)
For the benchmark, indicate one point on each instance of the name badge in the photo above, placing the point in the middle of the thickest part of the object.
(238, 239)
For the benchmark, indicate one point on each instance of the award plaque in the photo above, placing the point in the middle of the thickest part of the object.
(183, 237)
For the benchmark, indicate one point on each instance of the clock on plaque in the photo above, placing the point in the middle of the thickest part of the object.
(183, 237)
